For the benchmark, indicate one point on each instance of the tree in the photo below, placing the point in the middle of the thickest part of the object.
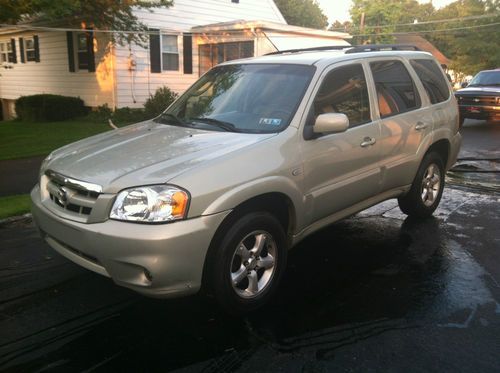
(380, 16)
(474, 47)
(98, 14)
(467, 42)
(305, 13)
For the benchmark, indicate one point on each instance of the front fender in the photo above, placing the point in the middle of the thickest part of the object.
(244, 192)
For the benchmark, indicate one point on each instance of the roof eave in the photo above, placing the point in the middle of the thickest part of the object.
(241, 25)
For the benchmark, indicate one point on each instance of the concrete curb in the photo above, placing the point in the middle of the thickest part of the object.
(14, 219)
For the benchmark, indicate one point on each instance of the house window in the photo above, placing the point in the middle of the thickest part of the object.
(29, 46)
(6, 54)
(169, 53)
(5, 49)
(213, 54)
(82, 49)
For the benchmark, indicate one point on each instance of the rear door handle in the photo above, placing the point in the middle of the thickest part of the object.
(367, 141)
(421, 126)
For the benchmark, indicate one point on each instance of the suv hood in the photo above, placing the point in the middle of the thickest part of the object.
(143, 154)
(479, 90)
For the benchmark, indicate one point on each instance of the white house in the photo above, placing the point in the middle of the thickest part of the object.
(185, 40)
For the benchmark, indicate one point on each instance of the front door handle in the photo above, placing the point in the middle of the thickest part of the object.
(367, 141)
(421, 126)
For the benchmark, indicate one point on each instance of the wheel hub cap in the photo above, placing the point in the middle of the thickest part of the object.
(431, 184)
(253, 264)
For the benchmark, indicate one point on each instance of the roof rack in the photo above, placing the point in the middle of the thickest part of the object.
(382, 47)
(325, 48)
(353, 48)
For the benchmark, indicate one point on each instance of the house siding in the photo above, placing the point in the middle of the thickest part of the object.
(123, 77)
(134, 86)
(51, 74)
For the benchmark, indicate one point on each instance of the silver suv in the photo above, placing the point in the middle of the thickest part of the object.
(254, 157)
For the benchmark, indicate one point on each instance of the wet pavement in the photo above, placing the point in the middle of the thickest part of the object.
(375, 292)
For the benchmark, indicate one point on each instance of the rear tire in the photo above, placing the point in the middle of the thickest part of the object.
(247, 262)
(427, 188)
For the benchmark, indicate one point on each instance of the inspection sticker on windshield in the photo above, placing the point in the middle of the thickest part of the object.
(270, 121)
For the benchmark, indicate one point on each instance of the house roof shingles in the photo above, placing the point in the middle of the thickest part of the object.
(423, 44)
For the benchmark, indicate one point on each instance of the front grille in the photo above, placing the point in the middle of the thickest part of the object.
(72, 195)
(479, 100)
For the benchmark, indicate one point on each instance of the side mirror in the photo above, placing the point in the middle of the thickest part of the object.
(331, 123)
(464, 84)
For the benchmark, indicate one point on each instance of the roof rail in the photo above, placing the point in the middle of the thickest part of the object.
(325, 48)
(353, 48)
(382, 47)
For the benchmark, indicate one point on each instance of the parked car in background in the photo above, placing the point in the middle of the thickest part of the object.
(254, 157)
(480, 99)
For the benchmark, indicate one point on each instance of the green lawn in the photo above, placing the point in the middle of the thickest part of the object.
(20, 139)
(14, 205)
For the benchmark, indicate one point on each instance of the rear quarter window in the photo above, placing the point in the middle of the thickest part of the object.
(432, 79)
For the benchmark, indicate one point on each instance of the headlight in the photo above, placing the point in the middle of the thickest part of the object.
(43, 166)
(157, 203)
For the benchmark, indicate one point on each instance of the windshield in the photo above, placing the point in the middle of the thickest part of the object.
(252, 98)
(486, 78)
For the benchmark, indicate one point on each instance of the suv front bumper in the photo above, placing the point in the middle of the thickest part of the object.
(158, 260)
(480, 112)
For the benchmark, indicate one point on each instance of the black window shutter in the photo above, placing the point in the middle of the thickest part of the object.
(37, 48)
(14, 53)
(187, 45)
(21, 50)
(90, 51)
(71, 51)
(154, 51)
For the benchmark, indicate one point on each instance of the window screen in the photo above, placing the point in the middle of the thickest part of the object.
(213, 54)
(82, 51)
(396, 92)
(432, 79)
(30, 49)
(344, 91)
(169, 52)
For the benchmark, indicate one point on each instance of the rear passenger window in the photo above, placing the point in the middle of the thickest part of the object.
(344, 91)
(432, 79)
(396, 92)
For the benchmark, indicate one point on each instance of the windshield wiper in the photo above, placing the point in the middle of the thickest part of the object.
(218, 123)
(171, 118)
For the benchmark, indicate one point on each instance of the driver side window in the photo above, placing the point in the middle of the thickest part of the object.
(344, 91)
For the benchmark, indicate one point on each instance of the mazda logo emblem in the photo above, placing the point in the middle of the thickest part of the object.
(62, 196)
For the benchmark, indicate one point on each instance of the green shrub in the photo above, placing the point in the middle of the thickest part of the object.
(121, 116)
(162, 98)
(126, 115)
(101, 114)
(45, 107)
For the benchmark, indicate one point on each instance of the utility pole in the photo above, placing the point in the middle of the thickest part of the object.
(362, 27)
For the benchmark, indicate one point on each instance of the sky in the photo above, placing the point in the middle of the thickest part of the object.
(339, 9)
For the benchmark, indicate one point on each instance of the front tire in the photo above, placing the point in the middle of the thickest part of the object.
(427, 188)
(248, 262)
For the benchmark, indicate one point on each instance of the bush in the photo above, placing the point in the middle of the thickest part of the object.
(126, 115)
(101, 114)
(45, 107)
(157, 103)
(120, 116)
